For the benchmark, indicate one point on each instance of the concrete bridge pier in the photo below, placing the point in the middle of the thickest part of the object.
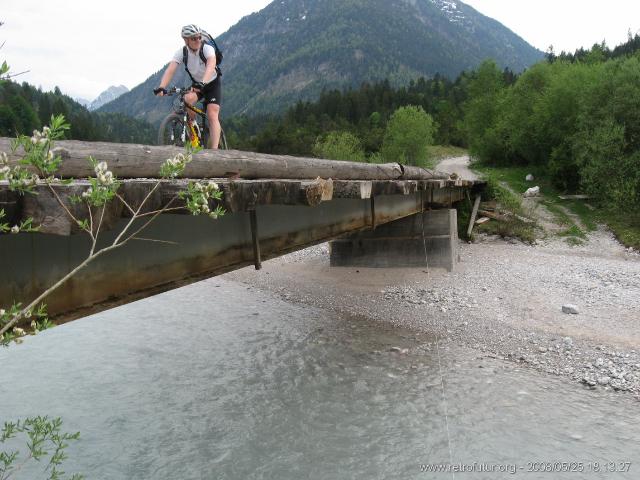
(427, 239)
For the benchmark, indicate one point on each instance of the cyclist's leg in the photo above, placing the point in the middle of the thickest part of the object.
(191, 98)
(212, 98)
(213, 110)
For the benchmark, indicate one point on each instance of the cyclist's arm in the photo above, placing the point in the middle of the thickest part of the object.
(168, 75)
(210, 70)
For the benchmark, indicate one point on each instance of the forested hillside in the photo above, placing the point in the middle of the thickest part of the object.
(575, 116)
(24, 108)
(295, 49)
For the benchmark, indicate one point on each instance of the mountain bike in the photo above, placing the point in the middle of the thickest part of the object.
(176, 129)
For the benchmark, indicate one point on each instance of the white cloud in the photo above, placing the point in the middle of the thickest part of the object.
(85, 47)
(565, 24)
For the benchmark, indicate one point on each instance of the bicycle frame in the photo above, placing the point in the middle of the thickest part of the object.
(198, 134)
(195, 133)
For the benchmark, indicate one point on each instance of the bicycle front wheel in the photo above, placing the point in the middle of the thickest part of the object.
(173, 131)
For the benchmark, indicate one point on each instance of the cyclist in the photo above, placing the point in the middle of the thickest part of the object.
(207, 84)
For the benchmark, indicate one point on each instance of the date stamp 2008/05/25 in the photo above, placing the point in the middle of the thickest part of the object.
(528, 467)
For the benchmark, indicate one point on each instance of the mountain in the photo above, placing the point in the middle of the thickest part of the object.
(294, 49)
(83, 101)
(107, 96)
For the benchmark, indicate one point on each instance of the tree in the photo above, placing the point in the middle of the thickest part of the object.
(482, 112)
(339, 146)
(409, 132)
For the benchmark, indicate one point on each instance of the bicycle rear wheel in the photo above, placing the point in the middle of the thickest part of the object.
(223, 141)
(173, 131)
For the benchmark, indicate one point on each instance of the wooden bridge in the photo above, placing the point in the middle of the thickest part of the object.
(274, 204)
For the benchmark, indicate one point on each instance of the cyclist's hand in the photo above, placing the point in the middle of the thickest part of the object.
(198, 86)
(159, 91)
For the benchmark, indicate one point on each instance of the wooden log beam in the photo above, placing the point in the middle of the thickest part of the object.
(359, 189)
(399, 187)
(144, 161)
(474, 212)
(238, 196)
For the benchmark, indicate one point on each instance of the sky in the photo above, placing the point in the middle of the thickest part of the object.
(84, 46)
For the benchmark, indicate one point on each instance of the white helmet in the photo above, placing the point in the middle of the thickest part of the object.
(189, 31)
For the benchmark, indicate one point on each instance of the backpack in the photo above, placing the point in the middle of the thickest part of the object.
(206, 40)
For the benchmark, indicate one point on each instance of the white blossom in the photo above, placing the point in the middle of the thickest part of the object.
(101, 167)
(18, 331)
(15, 229)
(213, 185)
(2, 312)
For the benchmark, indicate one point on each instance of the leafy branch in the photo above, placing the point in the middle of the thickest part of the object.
(44, 438)
(102, 189)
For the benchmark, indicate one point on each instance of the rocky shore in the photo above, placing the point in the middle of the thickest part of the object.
(571, 311)
(504, 301)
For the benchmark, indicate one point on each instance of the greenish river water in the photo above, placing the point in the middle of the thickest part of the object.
(214, 381)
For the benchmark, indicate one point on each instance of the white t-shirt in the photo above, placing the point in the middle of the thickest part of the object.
(196, 66)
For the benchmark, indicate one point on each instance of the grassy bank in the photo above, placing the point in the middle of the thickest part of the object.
(440, 152)
(577, 217)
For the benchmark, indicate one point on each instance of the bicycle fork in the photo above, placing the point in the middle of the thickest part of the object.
(194, 130)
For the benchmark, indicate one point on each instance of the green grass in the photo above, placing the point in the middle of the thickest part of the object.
(575, 232)
(440, 152)
(624, 225)
(509, 204)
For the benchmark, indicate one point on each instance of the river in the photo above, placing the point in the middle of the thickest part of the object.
(219, 381)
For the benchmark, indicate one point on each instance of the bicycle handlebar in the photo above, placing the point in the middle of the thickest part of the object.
(171, 91)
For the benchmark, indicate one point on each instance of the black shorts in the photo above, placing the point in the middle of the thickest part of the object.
(212, 92)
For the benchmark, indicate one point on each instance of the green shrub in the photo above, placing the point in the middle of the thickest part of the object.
(339, 146)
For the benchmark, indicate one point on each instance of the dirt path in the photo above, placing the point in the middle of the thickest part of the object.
(458, 165)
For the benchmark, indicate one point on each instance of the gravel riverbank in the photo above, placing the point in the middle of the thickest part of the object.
(505, 300)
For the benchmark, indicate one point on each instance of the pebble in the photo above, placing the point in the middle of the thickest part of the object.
(569, 308)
